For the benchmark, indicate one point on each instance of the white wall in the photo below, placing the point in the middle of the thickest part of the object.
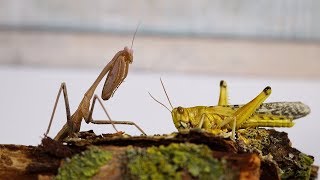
(28, 94)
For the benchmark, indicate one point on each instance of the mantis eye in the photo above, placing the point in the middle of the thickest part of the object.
(180, 110)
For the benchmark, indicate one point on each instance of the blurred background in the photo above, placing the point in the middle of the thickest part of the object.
(191, 45)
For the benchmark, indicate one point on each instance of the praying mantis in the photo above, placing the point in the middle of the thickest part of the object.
(117, 70)
(222, 118)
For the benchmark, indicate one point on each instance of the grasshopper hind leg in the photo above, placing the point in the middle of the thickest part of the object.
(223, 97)
(244, 113)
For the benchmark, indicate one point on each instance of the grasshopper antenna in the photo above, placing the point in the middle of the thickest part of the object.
(166, 93)
(134, 35)
(159, 102)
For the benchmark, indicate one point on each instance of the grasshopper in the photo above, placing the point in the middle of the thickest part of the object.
(222, 118)
(117, 70)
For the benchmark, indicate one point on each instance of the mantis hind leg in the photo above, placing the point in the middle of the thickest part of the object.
(89, 118)
(63, 87)
(118, 122)
(223, 97)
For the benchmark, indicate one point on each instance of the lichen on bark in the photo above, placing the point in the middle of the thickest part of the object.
(174, 162)
(84, 165)
(276, 146)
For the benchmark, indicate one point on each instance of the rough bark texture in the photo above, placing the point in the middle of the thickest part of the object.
(256, 154)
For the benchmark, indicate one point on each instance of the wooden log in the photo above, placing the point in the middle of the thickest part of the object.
(119, 156)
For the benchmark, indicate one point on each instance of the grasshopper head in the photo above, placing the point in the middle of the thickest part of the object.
(181, 118)
(128, 54)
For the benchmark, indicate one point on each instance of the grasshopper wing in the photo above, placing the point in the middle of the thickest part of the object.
(291, 110)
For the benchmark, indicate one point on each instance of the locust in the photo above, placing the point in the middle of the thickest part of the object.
(117, 70)
(223, 118)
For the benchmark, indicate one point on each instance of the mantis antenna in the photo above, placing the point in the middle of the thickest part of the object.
(134, 35)
(166, 93)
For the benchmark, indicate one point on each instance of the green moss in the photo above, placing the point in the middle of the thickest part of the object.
(174, 161)
(304, 163)
(84, 165)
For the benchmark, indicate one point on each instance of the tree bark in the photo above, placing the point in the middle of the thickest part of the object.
(244, 158)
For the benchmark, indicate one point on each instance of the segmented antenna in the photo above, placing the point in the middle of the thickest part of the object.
(159, 102)
(134, 35)
(166, 93)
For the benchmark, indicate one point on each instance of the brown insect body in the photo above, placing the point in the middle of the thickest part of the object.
(118, 71)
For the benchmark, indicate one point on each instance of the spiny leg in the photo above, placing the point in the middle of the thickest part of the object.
(89, 118)
(248, 109)
(118, 122)
(243, 113)
(63, 87)
(223, 98)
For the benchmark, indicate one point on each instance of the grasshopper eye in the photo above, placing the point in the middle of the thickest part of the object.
(180, 110)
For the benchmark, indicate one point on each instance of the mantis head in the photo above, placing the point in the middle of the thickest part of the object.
(128, 54)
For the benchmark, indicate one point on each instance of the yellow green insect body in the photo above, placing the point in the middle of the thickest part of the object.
(224, 117)
(186, 118)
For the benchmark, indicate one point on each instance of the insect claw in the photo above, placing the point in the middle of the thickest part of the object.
(223, 83)
(267, 90)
